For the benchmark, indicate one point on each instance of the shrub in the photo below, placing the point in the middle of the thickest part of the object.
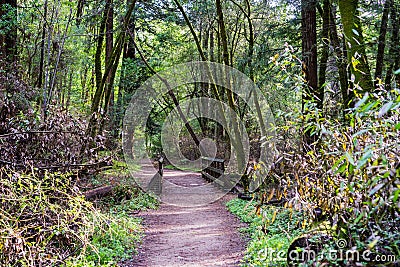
(43, 219)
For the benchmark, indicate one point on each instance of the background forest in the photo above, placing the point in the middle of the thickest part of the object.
(330, 70)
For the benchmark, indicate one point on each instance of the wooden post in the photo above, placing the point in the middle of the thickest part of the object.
(160, 166)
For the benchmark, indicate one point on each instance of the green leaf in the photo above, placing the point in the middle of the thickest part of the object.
(397, 126)
(338, 162)
(355, 32)
(360, 133)
(350, 158)
(396, 195)
(342, 168)
(397, 72)
(351, 169)
(376, 189)
(385, 109)
(359, 218)
(362, 101)
(364, 159)
(370, 106)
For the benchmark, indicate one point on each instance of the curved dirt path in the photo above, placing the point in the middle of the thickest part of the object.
(190, 236)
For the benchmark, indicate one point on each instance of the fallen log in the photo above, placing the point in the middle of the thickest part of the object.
(98, 192)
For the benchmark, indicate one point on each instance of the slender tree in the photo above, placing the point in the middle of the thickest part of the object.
(340, 57)
(394, 50)
(325, 13)
(382, 40)
(357, 58)
(103, 89)
(109, 87)
(39, 81)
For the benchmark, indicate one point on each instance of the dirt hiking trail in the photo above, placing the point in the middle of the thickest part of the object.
(190, 236)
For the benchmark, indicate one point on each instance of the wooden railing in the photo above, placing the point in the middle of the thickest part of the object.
(155, 184)
(160, 166)
(214, 172)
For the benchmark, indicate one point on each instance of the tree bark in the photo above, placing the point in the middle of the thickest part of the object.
(309, 55)
(382, 41)
(236, 140)
(325, 50)
(108, 103)
(97, 63)
(355, 44)
(347, 95)
(222, 33)
(309, 48)
(39, 81)
(394, 46)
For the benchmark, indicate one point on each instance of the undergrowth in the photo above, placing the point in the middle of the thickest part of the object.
(271, 230)
(116, 239)
(46, 221)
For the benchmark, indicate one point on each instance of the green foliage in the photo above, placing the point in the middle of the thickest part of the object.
(43, 218)
(117, 238)
(112, 241)
(8, 20)
(352, 173)
(131, 200)
(271, 230)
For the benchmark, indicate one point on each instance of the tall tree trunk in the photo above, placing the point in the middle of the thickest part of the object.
(46, 86)
(222, 33)
(341, 59)
(382, 41)
(212, 45)
(325, 49)
(309, 54)
(250, 53)
(236, 140)
(93, 122)
(97, 63)
(108, 105)
(39, 81)
(79, 11)
(355, 44)
(110, 68)
(129, 55)
(394, 46)
(309, 48)
(204, 86)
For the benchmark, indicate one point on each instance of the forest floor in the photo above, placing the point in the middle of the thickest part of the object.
(190, 236)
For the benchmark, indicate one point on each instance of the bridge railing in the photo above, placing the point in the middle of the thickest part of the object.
(155, 184)
(213, 171)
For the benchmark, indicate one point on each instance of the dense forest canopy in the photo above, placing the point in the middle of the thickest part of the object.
(327, 70)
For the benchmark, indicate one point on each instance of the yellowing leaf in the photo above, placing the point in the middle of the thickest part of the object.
(373, 243)
(354, 63)
(271, 194)
(274, 216)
